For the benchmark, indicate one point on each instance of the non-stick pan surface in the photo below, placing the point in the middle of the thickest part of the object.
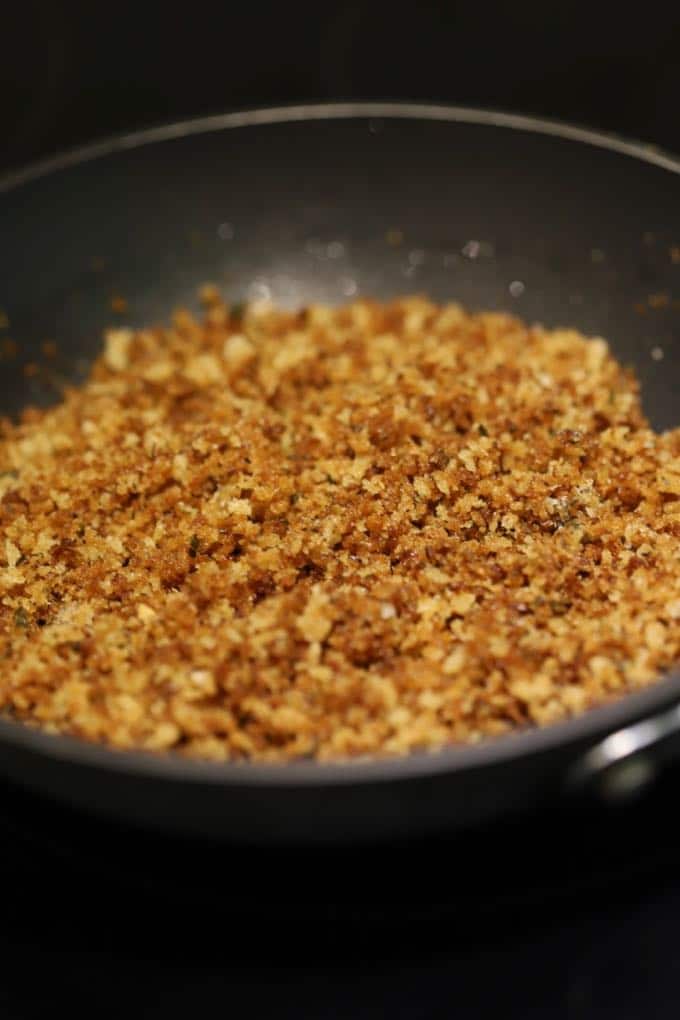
(557, 224)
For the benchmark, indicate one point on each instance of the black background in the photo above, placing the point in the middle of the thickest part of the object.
(70, 73)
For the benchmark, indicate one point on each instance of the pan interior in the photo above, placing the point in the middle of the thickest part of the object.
(556, 231)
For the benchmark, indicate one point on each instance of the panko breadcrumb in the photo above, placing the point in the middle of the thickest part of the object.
(335, 532)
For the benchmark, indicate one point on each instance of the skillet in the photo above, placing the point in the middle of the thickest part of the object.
(559, 224)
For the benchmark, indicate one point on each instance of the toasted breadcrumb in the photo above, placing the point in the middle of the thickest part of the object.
(335, 532)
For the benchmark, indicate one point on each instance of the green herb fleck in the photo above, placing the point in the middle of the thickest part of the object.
(483, 430)
(559, 608)
(193, 546)
(21, 618)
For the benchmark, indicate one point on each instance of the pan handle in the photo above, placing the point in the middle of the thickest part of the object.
(628, 761)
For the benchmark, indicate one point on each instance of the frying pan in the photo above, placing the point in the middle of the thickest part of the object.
(558, 224)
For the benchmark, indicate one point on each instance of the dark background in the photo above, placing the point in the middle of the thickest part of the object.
(72, 72)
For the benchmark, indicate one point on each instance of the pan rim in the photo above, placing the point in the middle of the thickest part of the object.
(452, 758)
(594, 724)
(372, 110)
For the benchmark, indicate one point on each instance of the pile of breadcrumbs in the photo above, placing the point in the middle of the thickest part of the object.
(335, 532)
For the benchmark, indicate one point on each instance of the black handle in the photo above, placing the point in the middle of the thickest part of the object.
(627, 762)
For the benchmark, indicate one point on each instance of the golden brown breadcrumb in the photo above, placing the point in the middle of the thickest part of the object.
(335, 532)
